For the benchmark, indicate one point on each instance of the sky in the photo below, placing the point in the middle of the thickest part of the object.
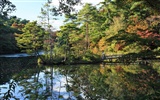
(30, 9)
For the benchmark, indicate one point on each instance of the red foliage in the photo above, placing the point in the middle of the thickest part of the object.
(148, 34)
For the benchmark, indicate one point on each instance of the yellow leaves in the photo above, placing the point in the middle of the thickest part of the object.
(102, 70)
(116, 26)
(95, 50)
(102, 44)
(142, 25)
(131, 29)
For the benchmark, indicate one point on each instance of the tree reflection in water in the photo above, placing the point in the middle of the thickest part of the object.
(88, 82)
(119, 82)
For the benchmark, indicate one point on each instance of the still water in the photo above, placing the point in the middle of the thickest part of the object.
(22, 79)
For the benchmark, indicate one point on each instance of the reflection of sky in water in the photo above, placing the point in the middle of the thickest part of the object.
(21, 54)
(58, 87)
(3, 89)
(88, 82)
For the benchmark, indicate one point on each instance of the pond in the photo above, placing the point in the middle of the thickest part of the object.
(23, 79)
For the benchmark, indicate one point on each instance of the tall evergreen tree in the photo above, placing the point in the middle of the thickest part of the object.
(32, 38)
(85, 16)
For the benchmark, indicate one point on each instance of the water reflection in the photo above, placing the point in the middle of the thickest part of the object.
(86, 82)
(132, 82)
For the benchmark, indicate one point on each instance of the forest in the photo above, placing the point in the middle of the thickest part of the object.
(71, 67)
(113, 27)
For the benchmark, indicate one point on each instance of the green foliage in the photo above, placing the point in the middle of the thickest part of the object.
(65, 6)
(9, 27)
(135, 4)
(46, 16)
(7, 44)
(90, 57)
(117, 27)
(32, 38)
(6, 7)
(7, 37)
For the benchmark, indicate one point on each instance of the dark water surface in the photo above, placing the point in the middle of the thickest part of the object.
(28, 81)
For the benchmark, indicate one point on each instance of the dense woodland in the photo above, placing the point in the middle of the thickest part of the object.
(115, 27)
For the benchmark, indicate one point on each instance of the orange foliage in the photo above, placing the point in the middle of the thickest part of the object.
(95, 50)
(120, 45)
(15, 25)
(138, 25)
(118, 69)
(102, 69)
(102, 44)
(144, 28)
(18, 26)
